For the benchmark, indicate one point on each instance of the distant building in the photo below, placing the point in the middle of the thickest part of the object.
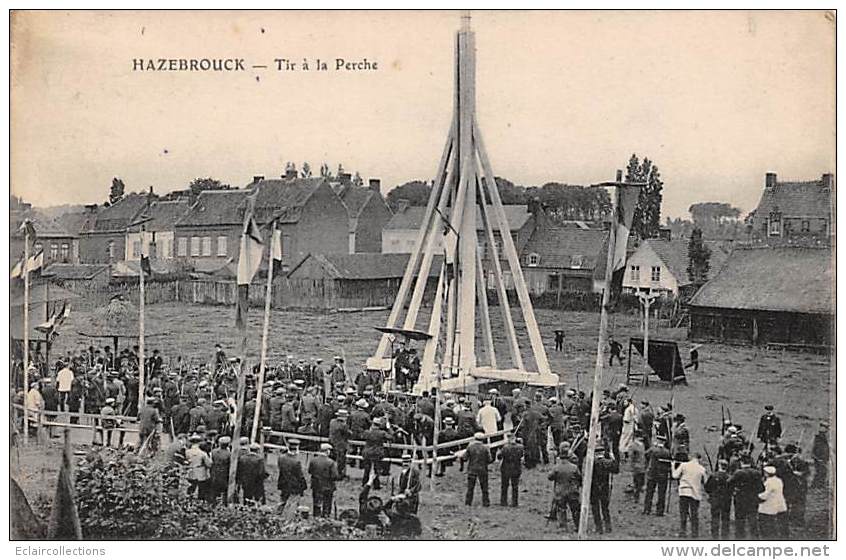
(311, 217)
(768, 295)
(78, 278)
(103, 237)
(661, 264)
(368, 215)
(58, 244)
(794, 209)
(159, 231)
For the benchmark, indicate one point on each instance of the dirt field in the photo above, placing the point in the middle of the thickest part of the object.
(744, 379)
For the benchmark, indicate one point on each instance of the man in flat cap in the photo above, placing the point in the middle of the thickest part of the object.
(769, 426)
(339, 437)
(324, 474)
(219, 476)
(478, 457)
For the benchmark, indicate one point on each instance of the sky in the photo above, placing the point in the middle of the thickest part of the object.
(715, 99)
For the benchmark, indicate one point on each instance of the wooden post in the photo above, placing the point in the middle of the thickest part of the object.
(264, 333)
(587, 476)
(26, 335)
(141, 326)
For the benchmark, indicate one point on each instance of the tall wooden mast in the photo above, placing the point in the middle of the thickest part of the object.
(463, 190)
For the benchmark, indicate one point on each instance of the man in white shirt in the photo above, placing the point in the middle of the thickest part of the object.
(64, 381)
(691, 476)
(488, 417)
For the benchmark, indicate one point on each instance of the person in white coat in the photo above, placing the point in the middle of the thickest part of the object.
(488, 417)
(629, 421)
(772, 509)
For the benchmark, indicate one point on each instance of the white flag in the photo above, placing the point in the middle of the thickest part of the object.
(276, 245)
(35, 262)
(17, 271)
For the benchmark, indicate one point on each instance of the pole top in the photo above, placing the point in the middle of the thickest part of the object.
(465, 20)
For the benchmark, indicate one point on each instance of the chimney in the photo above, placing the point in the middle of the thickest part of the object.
(828, 181)
(345, 178)
(258, 178)
(291, 174)
(91, 208)
(376, 186)
(770, 180)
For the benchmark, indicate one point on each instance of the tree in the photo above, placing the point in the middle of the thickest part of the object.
(117, 190)
(290, 167)
(306, 171)
(699, 258)
(647, 215)
(324, 171)
(415, 193)
(201, 184)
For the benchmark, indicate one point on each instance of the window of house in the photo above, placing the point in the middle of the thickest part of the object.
(635, 273)
(806, 226)
(552, 282)
(195, 246)
(166, 249)
(110, 250)
(207, 246)
(136, 249)
(577, 261)
(182, 247)
(221, 245)
(656, 273)
(534, 259)
(54, 251)
(775, 224)
(65, 251)
(286, 245)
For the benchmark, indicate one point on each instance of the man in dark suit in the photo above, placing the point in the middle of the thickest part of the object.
(339, 437)
(604, 466)
(324, 474)
(219, 480)
(291, 480)
(511, 467)
(409, 486)
(251, 474)
(478, 457)
(769, 426)
(567, 487)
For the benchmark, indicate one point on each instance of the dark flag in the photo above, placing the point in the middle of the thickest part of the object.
(145, 265)
(627, 197)
(249, 260)
(64, 520)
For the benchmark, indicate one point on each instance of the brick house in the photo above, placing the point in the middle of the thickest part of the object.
(368, 215)
(312, 218)
(793, 209)
(58, 244)
(159, 231)
(103, 237)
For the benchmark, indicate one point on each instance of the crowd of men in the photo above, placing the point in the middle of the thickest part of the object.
(339, 419)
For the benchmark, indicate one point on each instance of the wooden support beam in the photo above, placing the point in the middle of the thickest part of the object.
(513, 260)
(430, 351)
(484, 312)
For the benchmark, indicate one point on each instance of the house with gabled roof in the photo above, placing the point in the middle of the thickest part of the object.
(768, 295)
(368, 215)
(311, 217)
(103, 238)
(661, 265)
(56, 242)
(159, 231)
(794, 210)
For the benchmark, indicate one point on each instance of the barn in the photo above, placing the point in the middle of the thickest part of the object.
(346, 282)
(769, 296)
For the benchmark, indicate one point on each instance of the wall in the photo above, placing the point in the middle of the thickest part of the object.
(16, 249)
(759, 327)
(93, 247)
(373, 217)
(646, 258)
(165, 247)
(323, 227)
(231, 232)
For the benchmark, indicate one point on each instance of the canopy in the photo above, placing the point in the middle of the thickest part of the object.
(664, 358)
(407, 333)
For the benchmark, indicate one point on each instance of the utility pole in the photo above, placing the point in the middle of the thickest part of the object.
(26, 333)
(141, 231)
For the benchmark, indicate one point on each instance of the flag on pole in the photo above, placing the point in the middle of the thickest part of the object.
(276, 245)
(35, 262)
(627, 198)
(17, 270)
(27, 228)
(145, 265)
(55, 320)
(249, 260)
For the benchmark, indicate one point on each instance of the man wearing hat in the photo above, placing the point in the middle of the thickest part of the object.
(288, 422)
(446, 435)
(557, 421)
(821, 453)
(567, 482)
(339, 437)
(277, 401)
(149, 421)
(746, 484)
(374, 450)
(769, 426)
(605, 465)
(478, 457)
(324, 474)
(691, 477)
(719, 498)
(199, 467)
(291, 481)
(197, 414)
(219, 475)
(107, 422)
(359, 419)
(408, 485)
(337, 371)
(251, 473)
(772, 507)
(646, 422)
(488, 417)
(658, 461)
(681, 436)
(511, 467)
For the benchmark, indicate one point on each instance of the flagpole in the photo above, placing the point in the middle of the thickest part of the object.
(264, 334)
(587, 470)
(26, 334)
(141, 323)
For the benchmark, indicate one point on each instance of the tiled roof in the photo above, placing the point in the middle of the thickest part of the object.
(411, 218)
(567, 247)
(796, 199)
(675, 257)
(165, 214)
(62, 271)
(45, 227)
(119, 215)
(365, 266)
(75, 222)
(224, 207)
(283, 199)
(792, 279)
(354, 198)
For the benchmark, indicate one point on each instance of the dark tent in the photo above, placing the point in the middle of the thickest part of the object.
(664, 359)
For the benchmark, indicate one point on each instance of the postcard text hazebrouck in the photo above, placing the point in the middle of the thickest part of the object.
(188, 65)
